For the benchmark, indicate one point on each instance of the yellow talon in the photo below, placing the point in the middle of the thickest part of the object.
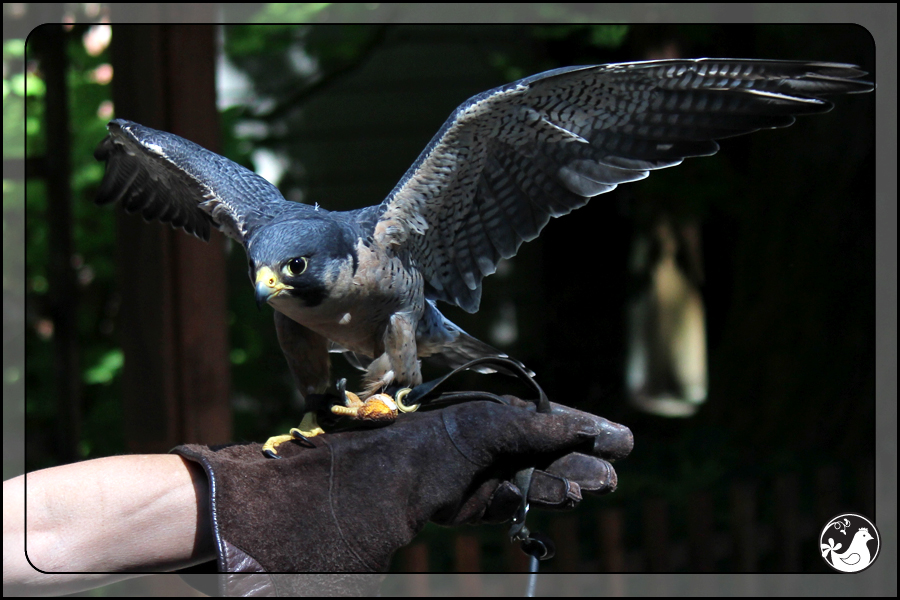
(377, 408)
(345, 411)
(380, 408)
(276, 440)
(309, 427)
(353, 401)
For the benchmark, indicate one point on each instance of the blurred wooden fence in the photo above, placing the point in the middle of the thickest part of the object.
(772, 527)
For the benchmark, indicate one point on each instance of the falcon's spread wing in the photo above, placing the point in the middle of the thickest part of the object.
(168, 178)
(509, 159)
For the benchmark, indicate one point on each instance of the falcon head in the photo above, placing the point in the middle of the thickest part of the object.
(301, 262)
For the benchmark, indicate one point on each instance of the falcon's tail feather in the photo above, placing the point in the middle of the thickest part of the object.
(467, 348)
(356, 360)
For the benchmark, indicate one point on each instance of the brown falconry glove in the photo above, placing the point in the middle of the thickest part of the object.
(348, 501)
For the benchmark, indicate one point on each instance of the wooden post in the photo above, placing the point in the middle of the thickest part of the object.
(612, 544)
(413, 559)
(564, 532)
(50, 43)
(612, 550)
(176, 378)
(701, 532)
(743, 525)
(516, 560)
(656, 535)
(467, 559)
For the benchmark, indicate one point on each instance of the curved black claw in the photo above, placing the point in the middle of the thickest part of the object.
(341, 387)
(297, 436)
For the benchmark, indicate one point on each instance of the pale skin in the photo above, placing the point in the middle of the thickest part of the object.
(99, 521)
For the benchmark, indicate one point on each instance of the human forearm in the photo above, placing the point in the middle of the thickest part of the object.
(142, 513)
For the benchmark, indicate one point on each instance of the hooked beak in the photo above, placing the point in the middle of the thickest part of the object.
(268, 286)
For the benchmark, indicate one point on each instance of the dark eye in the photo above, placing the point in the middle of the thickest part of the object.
(296, 266)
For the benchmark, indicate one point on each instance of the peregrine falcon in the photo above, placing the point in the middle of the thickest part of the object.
(365, 282)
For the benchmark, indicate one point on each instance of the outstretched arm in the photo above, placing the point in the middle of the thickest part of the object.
(344, 502)
(97, 520)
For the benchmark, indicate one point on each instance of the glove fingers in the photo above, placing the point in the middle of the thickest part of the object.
(518, 431)
(587, 473)
(504, 503)
(557, 487)
(491, 502)
(613, 441)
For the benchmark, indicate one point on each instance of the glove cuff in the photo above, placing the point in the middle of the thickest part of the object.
(236, 470)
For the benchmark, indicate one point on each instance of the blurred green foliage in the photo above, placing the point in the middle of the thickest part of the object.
(93, 238)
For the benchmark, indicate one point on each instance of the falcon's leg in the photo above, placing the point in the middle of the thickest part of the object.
(379, 408)
(400, 361)
(306, 353)
(379, 375)
(308, 428)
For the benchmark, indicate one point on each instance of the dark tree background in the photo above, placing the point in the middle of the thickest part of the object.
(787, 222)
